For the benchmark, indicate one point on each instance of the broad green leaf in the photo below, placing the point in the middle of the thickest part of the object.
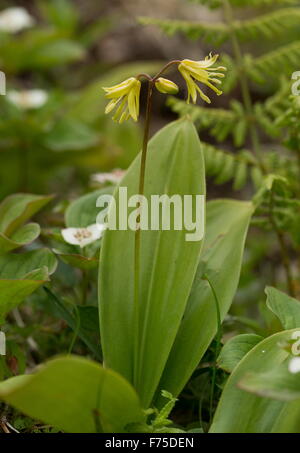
(75, 395)
(83, 211)
(16, 209)
(243, 412)
(286, 308)
(168, 265)
(226, 229)
(235, 349)
(21, 275)
(24, 235)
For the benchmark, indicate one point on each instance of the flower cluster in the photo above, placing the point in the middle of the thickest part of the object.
(126, 95)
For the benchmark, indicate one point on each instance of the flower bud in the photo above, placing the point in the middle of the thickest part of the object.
(166, 86)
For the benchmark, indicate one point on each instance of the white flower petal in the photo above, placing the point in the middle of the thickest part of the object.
(294, 365)
(13, 20)
(114, 177)
(28, 99)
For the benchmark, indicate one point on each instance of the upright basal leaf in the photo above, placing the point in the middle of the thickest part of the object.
(240, 411)
(168, 265)
(286, 308)
(226, 228)
(75, 395)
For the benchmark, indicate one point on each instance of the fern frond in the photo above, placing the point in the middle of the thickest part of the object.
(286, 58)
(215, 33)
(220, 122)
(224, 166)
(268, 25)
(267, 113)
(241, 3)
(258, 3)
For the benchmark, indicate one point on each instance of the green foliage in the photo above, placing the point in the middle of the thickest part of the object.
(144, 327)
(243, 412)
(235, 349)
(226, 228)
(15, 210)
(21, 275)
(286, 308)
(266, 26)
(75, 395)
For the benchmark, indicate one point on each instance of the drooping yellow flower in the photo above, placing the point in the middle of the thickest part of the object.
(201, 71)
(126, 97)
(166, 86)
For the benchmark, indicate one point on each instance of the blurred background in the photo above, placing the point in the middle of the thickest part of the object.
(56, 56)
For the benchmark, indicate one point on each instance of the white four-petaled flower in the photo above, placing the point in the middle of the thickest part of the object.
(13, 20)
(83, 236)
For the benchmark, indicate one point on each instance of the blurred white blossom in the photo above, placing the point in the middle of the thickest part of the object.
(83, 236)
(114, 177)
(28, 99)
(13, 20)
(294, 365)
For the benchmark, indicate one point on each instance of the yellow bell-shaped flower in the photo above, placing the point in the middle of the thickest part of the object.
(201, 71)
(126, 97)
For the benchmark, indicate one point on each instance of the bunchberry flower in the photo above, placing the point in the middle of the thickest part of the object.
(201, 71)
(126, 97)
(83, 236)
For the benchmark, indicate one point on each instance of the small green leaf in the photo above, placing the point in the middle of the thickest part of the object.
(235, 349)
(16, 209)
(25, 235)
(286, 308)
(21, 275)
(78, 261)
